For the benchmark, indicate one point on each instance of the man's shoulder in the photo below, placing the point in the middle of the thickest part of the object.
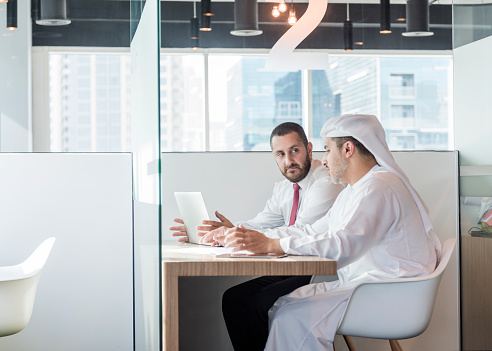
(387, 181)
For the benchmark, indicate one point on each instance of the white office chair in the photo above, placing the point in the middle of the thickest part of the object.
(393, 309)
(18, 289)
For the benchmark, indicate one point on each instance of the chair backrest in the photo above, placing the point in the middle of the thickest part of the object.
(394, 309)
(18, 286)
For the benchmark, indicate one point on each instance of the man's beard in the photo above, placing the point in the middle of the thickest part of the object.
(300, 176)
(337, 174)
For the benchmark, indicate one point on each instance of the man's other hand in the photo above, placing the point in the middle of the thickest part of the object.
(216, 237)
(212, 225)
(180, 230)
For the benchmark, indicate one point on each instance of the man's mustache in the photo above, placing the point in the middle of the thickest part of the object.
(293, 165)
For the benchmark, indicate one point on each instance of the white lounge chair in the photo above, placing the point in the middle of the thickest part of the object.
(18, 289)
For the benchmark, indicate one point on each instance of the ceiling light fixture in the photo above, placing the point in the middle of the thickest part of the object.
(275, 11)
(2, 1)
(206, 24)
(12, 15)
(348, 33)
(282, 7)
(194, 32)
(246, 18)
(417, 12)
(385, 17)
(53, 13)
(292, 14)
(207, 8)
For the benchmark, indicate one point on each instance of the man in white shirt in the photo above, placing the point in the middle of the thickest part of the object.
(378, 228)
(316, 194)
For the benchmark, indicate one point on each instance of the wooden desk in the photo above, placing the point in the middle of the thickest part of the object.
(177, 262)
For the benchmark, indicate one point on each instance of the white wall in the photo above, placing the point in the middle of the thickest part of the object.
(84, 299)
(15, 81)
(238, 184)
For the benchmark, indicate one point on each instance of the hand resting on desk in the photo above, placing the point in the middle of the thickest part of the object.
(216, 236)
(241, 238)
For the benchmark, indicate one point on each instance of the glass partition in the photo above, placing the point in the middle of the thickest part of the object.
(472, 128)
(471, 21)
(146, 173)
(472, 110)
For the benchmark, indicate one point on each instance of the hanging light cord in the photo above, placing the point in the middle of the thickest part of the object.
(194, 9)
(348, 16)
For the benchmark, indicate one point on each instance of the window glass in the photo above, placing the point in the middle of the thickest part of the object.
(87, 92)
(246, 103)
(182, 102)
(409, 94)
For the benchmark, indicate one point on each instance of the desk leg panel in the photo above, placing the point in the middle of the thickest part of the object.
(170, 308)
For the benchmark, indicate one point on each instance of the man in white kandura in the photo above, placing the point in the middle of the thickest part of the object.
(378, 229)
(302, 198)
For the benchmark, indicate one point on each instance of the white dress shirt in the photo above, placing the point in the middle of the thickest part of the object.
(316, 196)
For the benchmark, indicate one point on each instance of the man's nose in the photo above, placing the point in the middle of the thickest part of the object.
(289, 160)
(324, 161)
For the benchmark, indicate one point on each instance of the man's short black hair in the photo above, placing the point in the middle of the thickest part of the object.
(287, 128)
(358, 145)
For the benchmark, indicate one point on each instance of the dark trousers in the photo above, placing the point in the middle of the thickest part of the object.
(245, 308)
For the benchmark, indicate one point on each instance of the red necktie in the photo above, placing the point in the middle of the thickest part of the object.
(295, 204)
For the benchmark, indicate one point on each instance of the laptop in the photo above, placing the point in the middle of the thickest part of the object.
(193, 211)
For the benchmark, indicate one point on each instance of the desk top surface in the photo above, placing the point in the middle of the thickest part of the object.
(198, 260)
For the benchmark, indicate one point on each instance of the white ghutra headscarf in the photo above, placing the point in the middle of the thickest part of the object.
(370, 133)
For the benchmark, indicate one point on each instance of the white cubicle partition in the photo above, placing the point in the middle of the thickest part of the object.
(238, 185)
(84, 299)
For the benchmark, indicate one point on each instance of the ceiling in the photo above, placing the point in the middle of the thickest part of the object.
(96, 23)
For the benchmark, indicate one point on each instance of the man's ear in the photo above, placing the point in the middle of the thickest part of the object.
(310, 150)
(348, 149)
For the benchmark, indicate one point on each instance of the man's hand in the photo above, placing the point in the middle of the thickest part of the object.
(216, 237)
(180, 230)
(245, 239)
(212, 225)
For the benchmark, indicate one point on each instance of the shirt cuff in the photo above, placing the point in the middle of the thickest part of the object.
(285, 244)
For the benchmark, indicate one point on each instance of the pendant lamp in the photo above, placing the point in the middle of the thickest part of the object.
(385, 17)
(246, 18)
(205, 25)
(207, 8)
(53, 13)
(348, 33)
(282, 7)
(417, 12)
(194, 32)
(12, 15)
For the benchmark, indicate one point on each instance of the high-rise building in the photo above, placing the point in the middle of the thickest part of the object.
(90, 102)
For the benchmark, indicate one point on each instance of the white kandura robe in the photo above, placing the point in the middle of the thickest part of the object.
(375, 232)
